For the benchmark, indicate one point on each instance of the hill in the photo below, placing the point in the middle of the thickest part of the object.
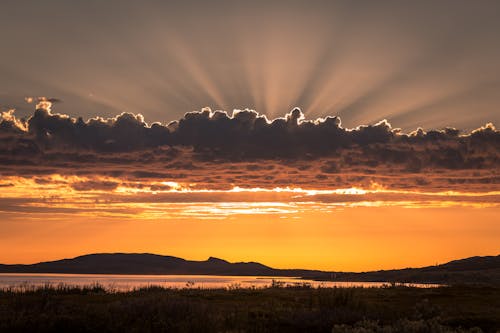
(473, 270)
(139, 263)
(476, 270)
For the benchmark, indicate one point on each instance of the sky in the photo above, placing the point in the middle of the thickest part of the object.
(335, 135)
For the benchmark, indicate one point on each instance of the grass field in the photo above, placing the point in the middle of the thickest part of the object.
(273, 309)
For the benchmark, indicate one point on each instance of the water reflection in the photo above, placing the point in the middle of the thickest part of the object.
(129, 282)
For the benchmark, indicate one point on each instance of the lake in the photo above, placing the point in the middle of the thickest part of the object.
(129, 282)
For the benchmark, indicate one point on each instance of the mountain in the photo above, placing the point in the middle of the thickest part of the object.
(473, 270)
(139, 263)
(469, 270)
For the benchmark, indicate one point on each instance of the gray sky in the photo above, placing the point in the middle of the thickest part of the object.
(420, 63)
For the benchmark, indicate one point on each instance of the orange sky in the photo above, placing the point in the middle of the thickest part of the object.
(349, 235)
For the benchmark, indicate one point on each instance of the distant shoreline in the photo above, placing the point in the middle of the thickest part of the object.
(474, 270)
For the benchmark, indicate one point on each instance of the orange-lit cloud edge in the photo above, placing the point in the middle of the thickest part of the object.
(163, 200)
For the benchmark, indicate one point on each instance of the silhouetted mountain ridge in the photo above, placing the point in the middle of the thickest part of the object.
(139, 263)
(473, 270)
(468, 270)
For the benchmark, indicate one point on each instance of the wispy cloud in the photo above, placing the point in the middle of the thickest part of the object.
(159, 200)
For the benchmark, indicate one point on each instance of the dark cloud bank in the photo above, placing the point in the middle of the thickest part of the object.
(241, 147)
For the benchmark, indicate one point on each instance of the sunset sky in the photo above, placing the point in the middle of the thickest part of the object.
(333, 135)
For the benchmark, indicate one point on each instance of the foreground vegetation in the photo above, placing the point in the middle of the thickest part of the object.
(273, 309)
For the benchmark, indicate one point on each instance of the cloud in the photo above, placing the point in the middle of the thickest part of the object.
(244, 132)
(91, 185)
(213, 149)
(126, 132)
(10, 125)
(100, 196)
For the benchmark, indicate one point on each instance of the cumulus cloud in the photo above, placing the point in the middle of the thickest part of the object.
(244, 132)
(218, 150)
(9, 124)
(126, 132)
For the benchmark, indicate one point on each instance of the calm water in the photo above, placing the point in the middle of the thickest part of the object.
(128, 282)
